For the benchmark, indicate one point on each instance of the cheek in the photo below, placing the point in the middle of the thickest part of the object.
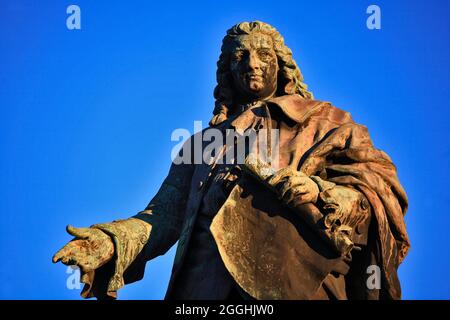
(235, 70)
(238, 78)
(271, 71)
(233, 67)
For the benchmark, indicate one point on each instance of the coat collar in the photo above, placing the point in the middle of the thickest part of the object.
(293, 106)
(296, 107)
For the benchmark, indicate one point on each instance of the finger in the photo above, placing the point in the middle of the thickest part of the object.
(84, 266)
(281, 175)
(298, 180)
(292, 186)
(81, 233)
(65, 259)
(56, 257)
(87, 277)
(288, 196)
(284, 191)
(60, 254)
(292, 181)
(301, 199)
(298, 196)
(300, 189)
(284, 186)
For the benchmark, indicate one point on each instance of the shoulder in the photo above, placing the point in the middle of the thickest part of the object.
(299, 109)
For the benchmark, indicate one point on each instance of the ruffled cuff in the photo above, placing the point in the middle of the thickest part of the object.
(346, 214)
(129, 237)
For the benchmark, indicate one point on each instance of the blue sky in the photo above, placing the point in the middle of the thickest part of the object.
(86, 115)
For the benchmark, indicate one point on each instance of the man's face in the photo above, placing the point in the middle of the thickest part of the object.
(254, 66)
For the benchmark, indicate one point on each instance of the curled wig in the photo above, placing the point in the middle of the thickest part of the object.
(290, 79)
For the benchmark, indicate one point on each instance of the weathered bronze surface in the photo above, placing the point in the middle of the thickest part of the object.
(306, 229)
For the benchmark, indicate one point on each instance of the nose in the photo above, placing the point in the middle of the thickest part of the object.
(253, 61)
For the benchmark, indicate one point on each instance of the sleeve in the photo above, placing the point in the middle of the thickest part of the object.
(146, 235)
(166, 211)
(348, 158)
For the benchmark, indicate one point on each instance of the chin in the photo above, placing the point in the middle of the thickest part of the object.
(255, 88)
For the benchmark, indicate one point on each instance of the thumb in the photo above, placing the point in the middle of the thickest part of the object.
(82, 233)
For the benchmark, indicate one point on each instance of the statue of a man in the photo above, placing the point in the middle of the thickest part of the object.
(317, 225)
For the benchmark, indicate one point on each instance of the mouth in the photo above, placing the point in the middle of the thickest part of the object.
(253, 76)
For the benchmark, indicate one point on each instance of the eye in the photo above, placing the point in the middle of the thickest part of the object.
(237, 55)
(264, 54)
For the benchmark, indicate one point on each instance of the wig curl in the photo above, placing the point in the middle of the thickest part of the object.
(290, 79)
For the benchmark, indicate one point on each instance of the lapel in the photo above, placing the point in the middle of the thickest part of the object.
(293, 106)
(296, 107)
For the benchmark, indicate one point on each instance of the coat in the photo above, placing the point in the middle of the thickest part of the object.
(319, 140)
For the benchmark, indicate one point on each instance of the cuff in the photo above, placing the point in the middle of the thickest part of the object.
(129, 237)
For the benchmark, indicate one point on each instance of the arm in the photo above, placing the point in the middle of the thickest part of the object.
(344, 211)
(333, 211)
(113, 254)
(152, 232)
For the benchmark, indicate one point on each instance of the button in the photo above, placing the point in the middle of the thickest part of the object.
(200, 185)
(364, 204)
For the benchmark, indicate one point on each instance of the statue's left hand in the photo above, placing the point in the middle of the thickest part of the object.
(90, 249)
(295, 188)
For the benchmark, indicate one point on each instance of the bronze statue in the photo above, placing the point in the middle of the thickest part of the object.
(308, 227)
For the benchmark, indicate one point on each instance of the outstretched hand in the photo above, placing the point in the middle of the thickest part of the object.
(90, 249)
